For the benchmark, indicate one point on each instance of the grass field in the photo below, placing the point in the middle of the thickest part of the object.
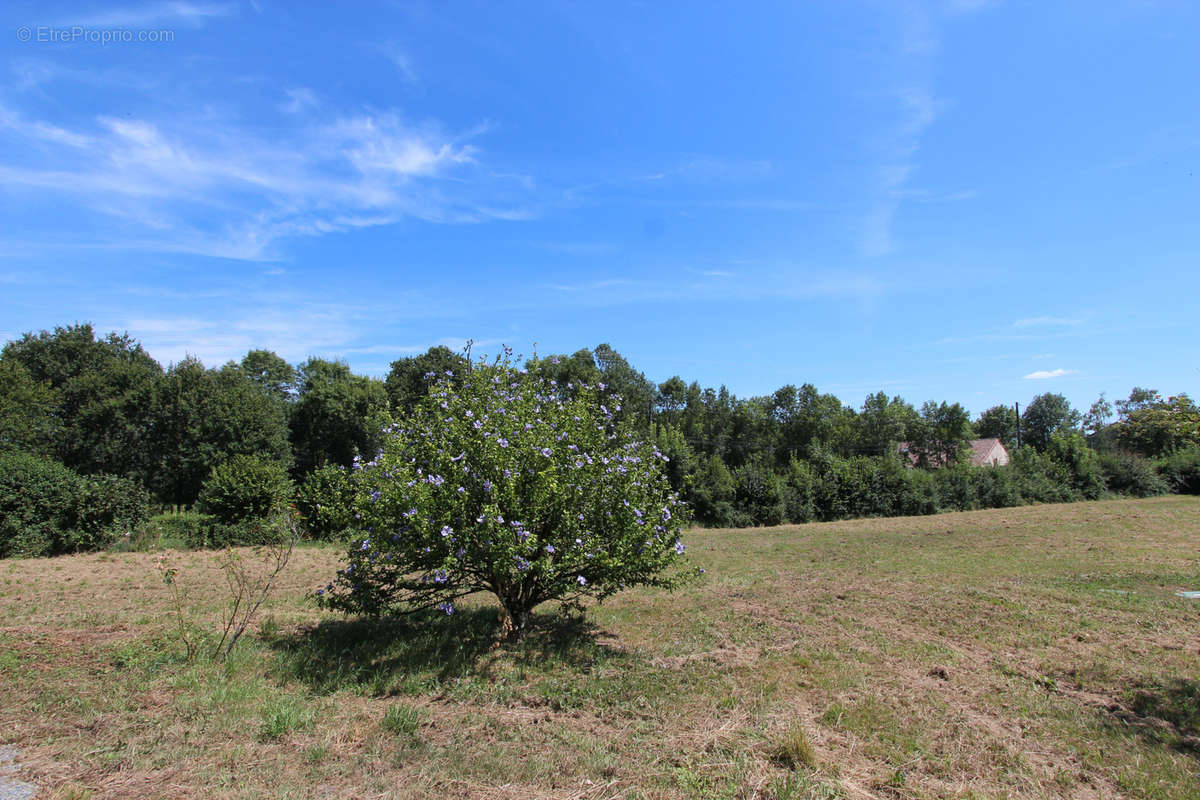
(1026, 653)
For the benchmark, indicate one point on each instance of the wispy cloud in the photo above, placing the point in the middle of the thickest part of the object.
(236, 194)
(1044, 374)
(1049, 322)
(915, 107)
(582, 249)
(917, 111)
(401, 61)
(298, 100)
(193, 14)
(590, 286)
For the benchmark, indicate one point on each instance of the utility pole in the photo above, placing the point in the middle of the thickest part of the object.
(1017, 408)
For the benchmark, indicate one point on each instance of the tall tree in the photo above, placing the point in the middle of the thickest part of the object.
(573, 370)
(26, 410)
(409, 378)
(338, 415)
(102, 389)
(998, 422)
(271, 373)
(1138, 399)
(1046, 415)
(202, 418)
(941, 434)
(620, 379)
(881, 424)
(1161, 427)
(671, 400)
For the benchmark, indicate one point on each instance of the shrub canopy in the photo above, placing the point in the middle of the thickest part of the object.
(511, 484)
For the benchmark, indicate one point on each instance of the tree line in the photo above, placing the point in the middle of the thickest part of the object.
(102, 406)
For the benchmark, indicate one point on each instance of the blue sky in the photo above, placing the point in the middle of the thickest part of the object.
(971, 201)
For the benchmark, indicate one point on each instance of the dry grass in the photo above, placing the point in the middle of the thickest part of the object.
(1029, 653)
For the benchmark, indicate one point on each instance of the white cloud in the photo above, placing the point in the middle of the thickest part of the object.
(226, 190)
(401, 60)
(299, 99)
(1035, 322)
(918, 110)
(1043, 374)
(193, 14)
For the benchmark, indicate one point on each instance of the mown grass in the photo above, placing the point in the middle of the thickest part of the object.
(1032, 653)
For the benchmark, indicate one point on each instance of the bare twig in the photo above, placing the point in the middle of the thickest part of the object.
(248, 587)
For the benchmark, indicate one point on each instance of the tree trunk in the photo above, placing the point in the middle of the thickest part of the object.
(515, 622)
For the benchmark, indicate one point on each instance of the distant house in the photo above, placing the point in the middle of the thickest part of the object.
(984, 453)
(988, 453)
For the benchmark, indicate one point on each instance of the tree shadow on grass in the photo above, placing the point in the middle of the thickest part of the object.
(1163, 711)
(426, 651)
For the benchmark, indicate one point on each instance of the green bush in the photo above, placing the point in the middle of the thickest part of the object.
(249, 532)
(1181, 470)
(834, 485)
(1040, 479)
(798, 485)
(38, 502)
(189, 529)
(108, 508)
(760, 494)
(1082, 467)
(513, 485)
(326, 501)
(889, 489)
(996, 487)
(711, 493)
(245, 488)
(1128, 473)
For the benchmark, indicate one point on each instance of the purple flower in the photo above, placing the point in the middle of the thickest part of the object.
(547, 452)
(679, 547)
(446, 531)
(582, 581)
(549, 548)
(447, 607)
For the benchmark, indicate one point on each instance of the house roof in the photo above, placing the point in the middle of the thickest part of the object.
(981, 451)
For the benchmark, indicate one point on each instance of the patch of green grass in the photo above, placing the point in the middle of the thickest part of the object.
(283, 716)
(795, 750)
(401, 720)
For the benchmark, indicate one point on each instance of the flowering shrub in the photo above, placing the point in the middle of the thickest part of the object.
(513, 485)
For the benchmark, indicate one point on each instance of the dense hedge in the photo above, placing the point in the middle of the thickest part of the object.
(825, 486)
(1181, 471)
(48, 509)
